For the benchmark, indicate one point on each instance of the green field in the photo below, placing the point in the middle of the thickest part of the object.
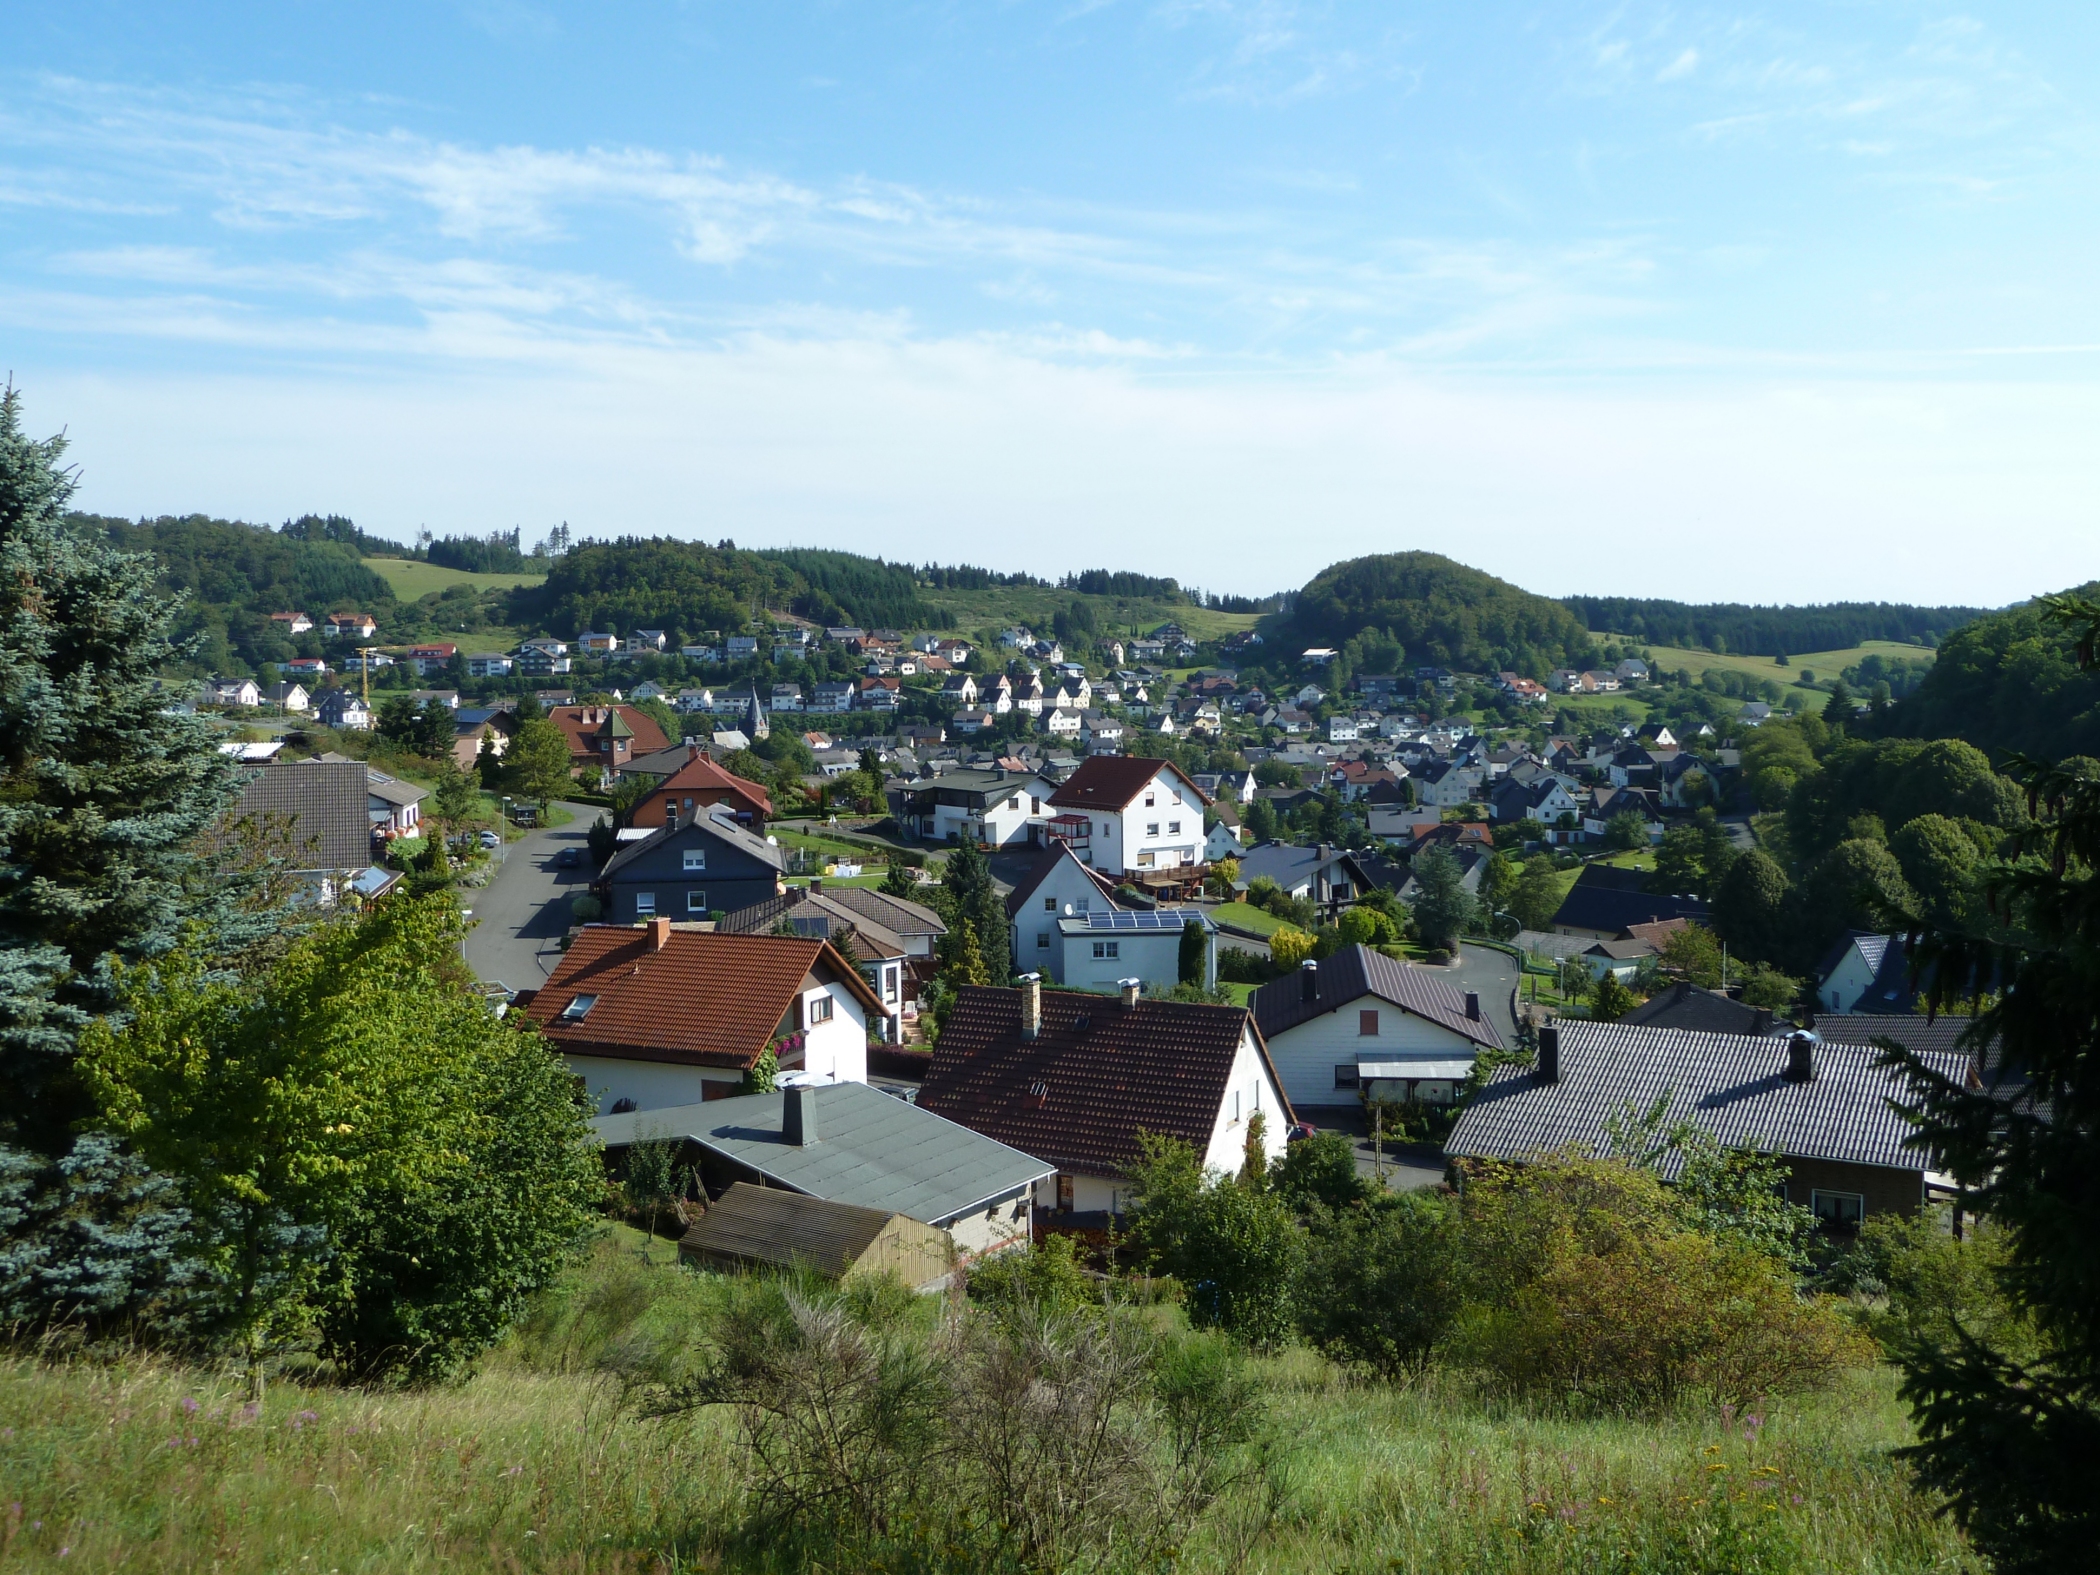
(1824, 664)
(977, 613)
(1245, 916)
(412, 580)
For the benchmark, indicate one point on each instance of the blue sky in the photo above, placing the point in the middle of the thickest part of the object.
(1781, 303)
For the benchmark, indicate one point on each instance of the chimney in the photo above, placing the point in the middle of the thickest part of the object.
(1132, 989)
(1031, 1005)
(1473, 1006)
(1549, 1054)
(816, 884)
(798, 1116)
(1801, 1057)
(692, 750)
(1761, 1024)
(659, 934)
(1309, 981)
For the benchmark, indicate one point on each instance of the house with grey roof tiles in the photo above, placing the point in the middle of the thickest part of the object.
(1829, 1110)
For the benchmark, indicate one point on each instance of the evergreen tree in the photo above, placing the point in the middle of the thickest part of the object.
(105, 794)
(1610, 1000)
(2012, 1436)
(973, 899)
(1443, 907)
(1749, 908)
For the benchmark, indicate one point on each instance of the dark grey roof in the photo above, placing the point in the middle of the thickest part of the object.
(1610, 900)
(899, 915)
(325, 802)
(872, 1150)
(1732, 1085)
(719, 826)
(1287, 864)
(1687, 1006)
(1938, 1034)
(1356, 971)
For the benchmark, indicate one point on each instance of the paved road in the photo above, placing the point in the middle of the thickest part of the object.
(1494, 975)
(521, 915)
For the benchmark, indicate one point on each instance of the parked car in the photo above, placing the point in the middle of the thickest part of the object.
(568, 858)
(490, 839)
(1300, 1129)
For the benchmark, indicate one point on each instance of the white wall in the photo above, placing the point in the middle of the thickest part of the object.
(1307, 1055)
(1151, 955)
(1248, 1089)
(1173, 802)
(1066, 885)
(837, 1049)
(652, 1085)
(992, 1228)
(1847, 982)
(1090, 1194)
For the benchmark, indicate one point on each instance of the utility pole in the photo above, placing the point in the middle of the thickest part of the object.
(364, 673)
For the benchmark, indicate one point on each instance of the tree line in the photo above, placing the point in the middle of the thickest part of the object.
(1766, 631)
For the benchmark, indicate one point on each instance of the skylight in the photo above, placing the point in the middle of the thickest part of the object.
(577, 1007)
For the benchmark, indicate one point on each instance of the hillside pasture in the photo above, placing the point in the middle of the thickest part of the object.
(993, 609)
(412, 579)
(1824, 664)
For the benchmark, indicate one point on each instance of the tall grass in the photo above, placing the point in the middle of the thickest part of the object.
(134, 1463)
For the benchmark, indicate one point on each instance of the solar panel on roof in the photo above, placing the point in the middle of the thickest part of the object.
(1123, 919)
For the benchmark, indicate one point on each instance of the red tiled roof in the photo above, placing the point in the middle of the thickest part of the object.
(1113, 781)
(1105, 1071)
(702, 999)
(581, 724)
(702, 773)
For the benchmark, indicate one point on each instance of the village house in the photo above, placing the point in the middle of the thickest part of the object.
(1864, 972)
(1126, 814)
(290, 698)
(700, 786)
(658, 1017)
(859, 925)
(292, 622)
(1074, 1078)
(1328, 877)
(690, 869)
(348, 626)
(430, 659)
(1362, 1024)
(997, 808)
(1828, 1110)
(607, 735)
(489, 664)
(343, 710)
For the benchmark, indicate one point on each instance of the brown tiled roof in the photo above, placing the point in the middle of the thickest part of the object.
(1077, 1095)
(1657, 933)
(1112, 781)
(701, 999)
(1356, 971)
(702, 773)
(581, 723)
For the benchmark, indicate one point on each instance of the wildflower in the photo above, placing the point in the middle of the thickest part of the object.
(1718, 1465)
(189, 1403)
(1713, 1449)
(1602, 1499)
(1797, 1498)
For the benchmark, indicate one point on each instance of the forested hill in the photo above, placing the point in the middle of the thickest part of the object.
(1766, 631)
(1424, 609)
(2007, 683)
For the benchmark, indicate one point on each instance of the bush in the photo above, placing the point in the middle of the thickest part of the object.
(1047, 1276)
(1586, 1286)
(1233, 1244)
(585, 908)
(1290, 947)
(1384, 1280)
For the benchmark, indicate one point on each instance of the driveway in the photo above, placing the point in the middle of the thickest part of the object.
(521, 915)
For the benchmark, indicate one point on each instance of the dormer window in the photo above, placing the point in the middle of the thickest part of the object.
(577, 1007)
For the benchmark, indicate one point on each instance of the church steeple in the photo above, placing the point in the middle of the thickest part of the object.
(755, 726)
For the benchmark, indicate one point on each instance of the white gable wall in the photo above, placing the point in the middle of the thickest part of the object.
(1249, 1088)
(1846, 983)
(652, 1085)
(1034, 928)
(1307, 1055)
(836, 1049)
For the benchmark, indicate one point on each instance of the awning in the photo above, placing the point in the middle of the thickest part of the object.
(1413, 1071)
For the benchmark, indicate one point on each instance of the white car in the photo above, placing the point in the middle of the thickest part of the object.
(489, 839)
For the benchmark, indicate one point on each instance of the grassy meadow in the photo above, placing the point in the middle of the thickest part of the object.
(1824, 664)
(976, 612)
(537, 1464)
(412, 578)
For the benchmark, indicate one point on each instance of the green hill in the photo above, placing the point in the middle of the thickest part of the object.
(1437, 612)
(2007, 683)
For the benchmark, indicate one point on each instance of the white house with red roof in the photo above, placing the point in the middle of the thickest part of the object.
(1125, 813)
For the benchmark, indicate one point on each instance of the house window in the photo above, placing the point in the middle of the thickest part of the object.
(1148, 801)
(645, 904)
(1035, 805)
(1049, 905)
(1042, 941)
(1084, 904)
(820, 1007)
(1064, 1192)
(1173, 828)
(1144, 861)
(1151, 828)
(1235, 1107)
(1838, 1208)
(1367, 1024)
(577, 1006)
(1345, 1075)
(1107, 949)
(696, 902)
(695, 859)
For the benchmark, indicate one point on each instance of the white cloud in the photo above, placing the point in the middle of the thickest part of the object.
(1683, 66)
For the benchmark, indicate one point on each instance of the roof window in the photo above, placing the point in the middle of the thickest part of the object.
(577, 1007)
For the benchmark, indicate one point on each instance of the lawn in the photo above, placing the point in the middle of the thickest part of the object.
(1824, 664)
(978, 612)
(412, 579)
(1245, 916)
(139, 1464)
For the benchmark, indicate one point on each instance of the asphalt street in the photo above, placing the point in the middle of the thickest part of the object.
(520, 916)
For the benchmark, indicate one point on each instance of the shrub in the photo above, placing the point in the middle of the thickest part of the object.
(1047, 1276)
(585, 908)
(1384, 1281)
(1290, 947)
(1232, 1243)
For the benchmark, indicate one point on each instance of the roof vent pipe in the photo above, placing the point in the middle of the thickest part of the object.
(1549, 1054)
(798, 1116)
(1031, 1005)
(1473, 1006)
(1801, 1058)
(1132, 989)
(1309, 981)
